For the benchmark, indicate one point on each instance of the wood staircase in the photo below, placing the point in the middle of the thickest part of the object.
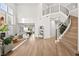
(68, 44)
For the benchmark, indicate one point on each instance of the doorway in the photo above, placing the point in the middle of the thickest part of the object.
(26, 29)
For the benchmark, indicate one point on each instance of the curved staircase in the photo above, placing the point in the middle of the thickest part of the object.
(68, 44)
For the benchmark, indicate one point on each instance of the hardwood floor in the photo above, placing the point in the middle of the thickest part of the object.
(39, 47)
(18, 42)
(47, 47)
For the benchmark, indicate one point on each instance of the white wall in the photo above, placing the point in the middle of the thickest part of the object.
(74, 12)
(38, 20)
(29, 11)
(45, 22)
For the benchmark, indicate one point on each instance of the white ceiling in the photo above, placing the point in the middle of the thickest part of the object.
(70, 6)
(47, 5)
(25, 4)
(64, 4)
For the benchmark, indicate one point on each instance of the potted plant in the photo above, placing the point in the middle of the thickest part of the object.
(8, 40)
(3, 30)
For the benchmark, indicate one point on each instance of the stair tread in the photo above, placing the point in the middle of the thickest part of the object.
(70, 36)
(70, 42)
(62, 48)
(72, 33)
(73, 37)
(70, 48)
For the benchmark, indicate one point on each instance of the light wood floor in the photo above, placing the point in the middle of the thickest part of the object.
(18, 42)
(41, 47)
(38, 47)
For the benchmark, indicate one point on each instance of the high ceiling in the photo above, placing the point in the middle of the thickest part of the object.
(70, 6)
(25, 4)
